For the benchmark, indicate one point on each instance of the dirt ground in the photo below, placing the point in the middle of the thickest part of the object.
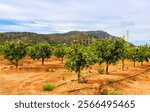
(30, 77)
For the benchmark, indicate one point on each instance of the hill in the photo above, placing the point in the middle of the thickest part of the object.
(29, 37)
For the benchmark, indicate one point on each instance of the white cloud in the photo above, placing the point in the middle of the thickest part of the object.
(49, 16)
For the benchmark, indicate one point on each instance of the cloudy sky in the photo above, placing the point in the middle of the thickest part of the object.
(58, 16)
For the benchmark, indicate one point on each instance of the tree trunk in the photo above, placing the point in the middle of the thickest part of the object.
(11, 61)
(62, 59)
(134, 63)
(16, 63)
(78, 73)
(100, 65)
(42, 61)
(107, 66)
(142, 63)
(122, 64)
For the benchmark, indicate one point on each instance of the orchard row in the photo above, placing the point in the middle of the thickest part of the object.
(78, 56)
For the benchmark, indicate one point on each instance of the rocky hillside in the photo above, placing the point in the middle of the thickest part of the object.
(29, 37)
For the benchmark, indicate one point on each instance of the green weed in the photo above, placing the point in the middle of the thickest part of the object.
(110, 81)
(110, 92)
(101, 70)
(48, 86)
(46, 69)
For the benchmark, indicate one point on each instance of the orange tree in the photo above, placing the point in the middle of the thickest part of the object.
(139, 54)
(121, 47)
(142, 53)
(133, 54)
(14, 51)
(39, 51)
(105, 51)
(79, 57)
(60, 51)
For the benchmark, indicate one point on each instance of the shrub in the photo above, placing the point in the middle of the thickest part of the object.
(48, 86)
(110, 92)
(134, 79)
(110, 81)
(129, 82)
(146, 77)
(126, 67)
(100, 70)
(83, 80)
(52, 70)
(46, 69)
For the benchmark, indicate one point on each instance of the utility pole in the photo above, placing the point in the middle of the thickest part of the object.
(127, 35)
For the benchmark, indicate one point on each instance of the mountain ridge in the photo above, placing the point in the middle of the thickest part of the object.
(31, 37)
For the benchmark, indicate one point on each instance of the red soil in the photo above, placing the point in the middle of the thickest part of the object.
(30, 76)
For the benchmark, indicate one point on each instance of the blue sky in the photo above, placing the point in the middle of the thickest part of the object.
(58, 16)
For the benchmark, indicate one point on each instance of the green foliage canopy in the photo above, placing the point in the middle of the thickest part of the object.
(78, 57)
(40, 51)
(14, 51)
(60, 51)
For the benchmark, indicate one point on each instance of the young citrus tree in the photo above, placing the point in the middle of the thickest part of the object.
(139, 54)
(78, 57)
(1, 48)
(121, 47)
(14, 51)
(60, 51)
(148, 53)
(106, 52)
(142, 53)
(40, 51)
(97, 49)
(133, 54)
